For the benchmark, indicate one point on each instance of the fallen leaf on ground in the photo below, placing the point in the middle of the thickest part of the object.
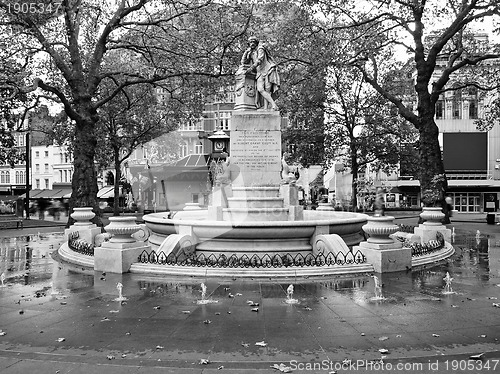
(159, 347)
(157, 307)
(282, 367)
(204, 361)
(435, 335)
(60, 340)
(2, 333)
(261, 344)
(477, 357)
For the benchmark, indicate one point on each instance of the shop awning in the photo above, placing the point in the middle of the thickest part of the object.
(61, 193)
(106, 192)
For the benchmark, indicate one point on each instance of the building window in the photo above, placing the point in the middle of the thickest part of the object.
(456, 105)
(223, 120)
(473, 102)
(61, 156)
(46, 154)
(46, 183)
(5, 177)
(37, 154)
(184, 150)
(37, 184)
(467, 202)
(20, 140)
(195, 198)
(198, 149)
(37, 168)
(20, 177)
(65, 175)
(60, 176)
(439, 109)
(46, 168)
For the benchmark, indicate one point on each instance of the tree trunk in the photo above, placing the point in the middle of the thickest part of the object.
(432, 165)
(84, 182)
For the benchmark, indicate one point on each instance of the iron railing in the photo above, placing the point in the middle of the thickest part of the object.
(80, 245)
(418, 249)
(253, 261)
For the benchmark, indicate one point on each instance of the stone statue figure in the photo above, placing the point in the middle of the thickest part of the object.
(259, 60)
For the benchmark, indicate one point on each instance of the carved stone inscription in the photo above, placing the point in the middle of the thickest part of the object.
(257, 155)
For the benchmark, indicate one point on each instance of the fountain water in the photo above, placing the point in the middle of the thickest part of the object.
(447, 287)
(378, 289)
(204, 300)
(120, 297)
(53, 290)
(289, 296)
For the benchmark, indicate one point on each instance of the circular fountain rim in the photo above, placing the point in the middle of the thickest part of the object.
(155, 218)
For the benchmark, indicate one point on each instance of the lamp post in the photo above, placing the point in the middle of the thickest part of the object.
(27, 203)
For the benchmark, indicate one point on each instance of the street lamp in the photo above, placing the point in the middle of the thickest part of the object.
(27, 202)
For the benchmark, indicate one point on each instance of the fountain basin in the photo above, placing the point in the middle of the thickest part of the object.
(250, 237)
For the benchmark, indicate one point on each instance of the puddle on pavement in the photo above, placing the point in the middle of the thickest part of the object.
(28, 261)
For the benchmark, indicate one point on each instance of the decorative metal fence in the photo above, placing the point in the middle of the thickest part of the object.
(418, 249)
(80, 245)
(253, 261)
(407, 228)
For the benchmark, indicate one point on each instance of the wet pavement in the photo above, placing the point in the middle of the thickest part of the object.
(60, 318)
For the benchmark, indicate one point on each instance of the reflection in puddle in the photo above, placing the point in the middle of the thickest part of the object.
(29, 261)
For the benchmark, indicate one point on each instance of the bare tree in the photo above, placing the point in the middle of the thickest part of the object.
(438, 38)
(67, 47)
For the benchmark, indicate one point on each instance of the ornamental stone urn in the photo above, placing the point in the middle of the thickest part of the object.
(82, 216)
(122, 229)
(432, 216)
(379, 229)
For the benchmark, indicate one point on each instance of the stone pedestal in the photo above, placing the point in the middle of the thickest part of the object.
(427, 230)
(290, 195)
(117, 257)
(386, 258)
(380, 250)
(245, 90)
(86, 229)
(122, 250)
(255, 148)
